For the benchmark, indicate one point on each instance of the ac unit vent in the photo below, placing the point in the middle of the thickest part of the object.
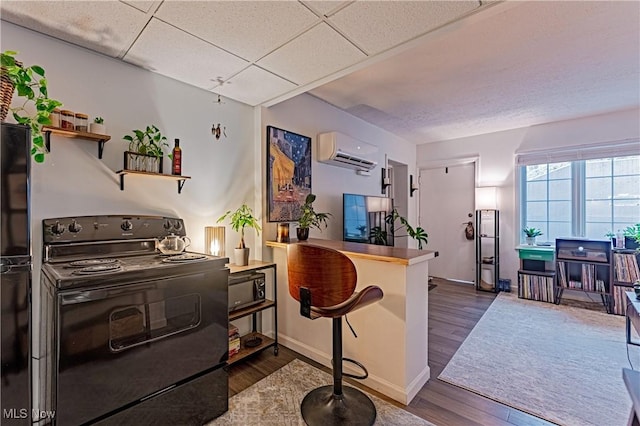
(344, 151)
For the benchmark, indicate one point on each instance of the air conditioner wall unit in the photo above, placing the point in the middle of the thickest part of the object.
(342, 150)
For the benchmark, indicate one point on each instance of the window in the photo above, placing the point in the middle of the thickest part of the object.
(580, 198)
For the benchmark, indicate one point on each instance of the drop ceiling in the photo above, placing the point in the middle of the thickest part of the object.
(424, 70)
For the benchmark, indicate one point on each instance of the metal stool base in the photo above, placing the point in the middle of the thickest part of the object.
(321, 407)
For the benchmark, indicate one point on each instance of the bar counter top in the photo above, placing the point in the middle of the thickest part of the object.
(401, 256)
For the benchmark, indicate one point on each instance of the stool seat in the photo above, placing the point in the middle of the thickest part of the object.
(323, 280)
(358, 300)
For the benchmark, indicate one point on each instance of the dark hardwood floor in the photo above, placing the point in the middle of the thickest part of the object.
(454, 309)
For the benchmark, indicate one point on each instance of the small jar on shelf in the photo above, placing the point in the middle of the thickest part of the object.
(67, 119)
(55, 117)
(82, 121)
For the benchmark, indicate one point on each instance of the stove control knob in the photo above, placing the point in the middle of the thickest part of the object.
(75, 227)
(126, 225)
(167, 225)
(57, 229)
(177, 225)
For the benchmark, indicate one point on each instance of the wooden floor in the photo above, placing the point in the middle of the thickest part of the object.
(454, 309)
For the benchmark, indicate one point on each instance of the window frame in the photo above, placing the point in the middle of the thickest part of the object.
(578, 189)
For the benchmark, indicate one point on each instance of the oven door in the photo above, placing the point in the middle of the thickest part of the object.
(120, 344)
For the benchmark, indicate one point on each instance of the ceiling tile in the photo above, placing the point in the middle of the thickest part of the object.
(107, 27)
(176, 54)
(379, 25)
(254, 86)
(315, 54)
(144, 6)
(249, 29)
(327, 7)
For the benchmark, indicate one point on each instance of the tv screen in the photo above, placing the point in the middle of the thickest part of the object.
(364, 219)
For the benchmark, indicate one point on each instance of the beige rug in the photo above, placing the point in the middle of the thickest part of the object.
(275, 400)
(560, 363)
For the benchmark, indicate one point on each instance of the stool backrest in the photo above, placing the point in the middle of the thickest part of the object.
(328, 274)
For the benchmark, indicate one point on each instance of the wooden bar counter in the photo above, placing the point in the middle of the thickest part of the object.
(392, 334)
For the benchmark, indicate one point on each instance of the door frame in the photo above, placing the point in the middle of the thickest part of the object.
(452, 162)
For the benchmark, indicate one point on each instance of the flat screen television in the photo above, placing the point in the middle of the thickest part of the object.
(364, 219)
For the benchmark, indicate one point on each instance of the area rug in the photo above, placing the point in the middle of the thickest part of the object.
(560, 363)
(275, 400)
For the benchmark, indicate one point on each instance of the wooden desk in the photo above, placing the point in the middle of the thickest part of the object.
(633, 316)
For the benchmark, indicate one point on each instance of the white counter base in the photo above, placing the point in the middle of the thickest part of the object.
(392, 333)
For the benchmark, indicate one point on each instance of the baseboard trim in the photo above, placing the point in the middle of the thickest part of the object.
(403, 396)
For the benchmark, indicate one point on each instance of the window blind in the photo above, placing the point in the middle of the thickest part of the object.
(619, 148)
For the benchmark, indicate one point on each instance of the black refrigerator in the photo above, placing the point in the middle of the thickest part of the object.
(15, 275)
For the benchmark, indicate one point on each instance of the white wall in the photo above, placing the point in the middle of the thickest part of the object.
(496, 166)
(309, 116)
(73, 181)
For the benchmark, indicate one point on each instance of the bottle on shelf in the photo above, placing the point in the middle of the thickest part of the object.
(176, 155)
(619, 239)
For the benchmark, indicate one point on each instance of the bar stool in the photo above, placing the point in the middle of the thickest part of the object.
(323, 280)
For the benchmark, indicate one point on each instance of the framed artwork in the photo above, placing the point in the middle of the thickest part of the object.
(288, 173)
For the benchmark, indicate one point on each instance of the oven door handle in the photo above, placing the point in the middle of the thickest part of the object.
(95, 295)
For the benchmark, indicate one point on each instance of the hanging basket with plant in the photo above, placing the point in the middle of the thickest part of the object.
(31, 84)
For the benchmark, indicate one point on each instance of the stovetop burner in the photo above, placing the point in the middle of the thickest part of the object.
(92, 262)
(98, 269)
(184, 258)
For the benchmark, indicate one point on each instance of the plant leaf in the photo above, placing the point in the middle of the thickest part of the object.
(38, 69)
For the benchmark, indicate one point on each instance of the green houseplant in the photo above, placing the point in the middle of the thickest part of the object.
(531, 234)
(310, 218)
(145, 150)
(98, 126)
(380, 236)
(31, 84)
(632, 236)
(240, 218)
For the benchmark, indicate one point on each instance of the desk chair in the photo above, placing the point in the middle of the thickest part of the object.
(323, 280)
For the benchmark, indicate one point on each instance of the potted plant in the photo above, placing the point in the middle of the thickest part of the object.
(531, 234)
(239, 219)
(98, 126)
(145, 150)
(380, 236)
(309, 217)
(31, 84)
(632, 236)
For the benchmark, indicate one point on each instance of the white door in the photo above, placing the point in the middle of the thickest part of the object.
(446, 205)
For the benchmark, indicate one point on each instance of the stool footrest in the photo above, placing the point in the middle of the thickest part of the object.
(353, 376)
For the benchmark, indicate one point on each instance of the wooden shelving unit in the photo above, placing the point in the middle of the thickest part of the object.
(584, 265)
(253, 311)
(625, 272)
(74, 134)
(536, 274)
(181, 179)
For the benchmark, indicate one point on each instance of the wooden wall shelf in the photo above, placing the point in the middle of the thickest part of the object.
(74, 134)
(181, 179)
